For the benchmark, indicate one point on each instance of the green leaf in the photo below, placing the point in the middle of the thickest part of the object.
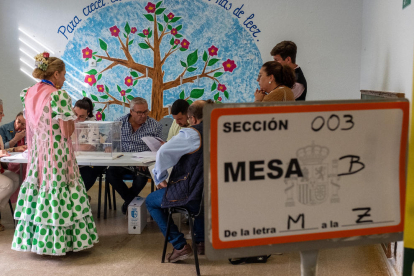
(169, 27)
(159, 11)
(192, 58)
(160, 27)
(190, 102)
(218, 103)
(150, 34)
(175, 19)
(103, 45)
(128, 91)
(104, 97)
(130, 97)
(103, 116)
(86, 59)
(174, 47)
(218, 74)
(178, 36)
(165, 18)
(179, 27)
(212, 61)
(84, 94)
(143, 45)
(183, 64)
(172, 41)
(106, 89)
(134, 74)
(94, 98)
(205, 56)
(99, 60)
(123, 98)
(158, 5)
(94, 57)
(92, 72)
(182, 95)
(132, 41)
(226, 94)
(99, 109)
(125, 35)
(94, 53)
(149, 17)
(135, 82)
(196, 93)
(127, 28)
(119, 88)
(99, 77)
(183, 49)
(142, 35)
(214, 86)
(216, 96)
(191, 69)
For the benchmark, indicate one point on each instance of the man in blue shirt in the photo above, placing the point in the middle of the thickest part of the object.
(13, 132)
(185, 184)
(135, 125)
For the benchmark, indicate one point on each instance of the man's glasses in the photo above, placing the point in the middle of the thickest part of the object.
(141, 113)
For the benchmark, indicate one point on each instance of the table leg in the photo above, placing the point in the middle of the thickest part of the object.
(99, 196)
(106, 197)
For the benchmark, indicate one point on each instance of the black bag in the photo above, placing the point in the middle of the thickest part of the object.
(250, 260)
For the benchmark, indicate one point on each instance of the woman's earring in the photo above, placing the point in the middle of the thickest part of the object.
(270, 82)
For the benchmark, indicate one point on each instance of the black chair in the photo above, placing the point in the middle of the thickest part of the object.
(107, 198)
(191, 217)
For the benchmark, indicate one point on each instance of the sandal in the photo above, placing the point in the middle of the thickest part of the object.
(1, 227)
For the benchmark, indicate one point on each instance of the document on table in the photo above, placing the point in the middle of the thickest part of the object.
(145, 156)
(14, 156)
(154, 143)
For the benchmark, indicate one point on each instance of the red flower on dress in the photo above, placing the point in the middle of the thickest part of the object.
(229, 65)
(133, 30)
(170, 16)
(177, 41)
(150, 8)
(145, 32)
(100, 88)
(219, 99)
(174, 31)
(185, 44)
(212, 51)
(87, 53)
(98, 116)
(45, 54)
(129, 81)
(221, 87)
(90, 79)
(122, 93)
(114, 31)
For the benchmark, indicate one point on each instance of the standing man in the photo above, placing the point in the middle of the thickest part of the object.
(13, 133)
(135, 125)
(185, 185)
(285, 53)
(179, 113)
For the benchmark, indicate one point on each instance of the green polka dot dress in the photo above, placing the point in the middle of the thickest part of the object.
(56, 219)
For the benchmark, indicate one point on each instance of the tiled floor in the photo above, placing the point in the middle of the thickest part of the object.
(120, 254)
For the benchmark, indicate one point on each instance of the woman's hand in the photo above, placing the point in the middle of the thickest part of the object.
(20, 148)
(4, 153)
(259, 95)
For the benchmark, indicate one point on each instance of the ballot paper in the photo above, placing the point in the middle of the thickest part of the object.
(145, 156)
(154, 143)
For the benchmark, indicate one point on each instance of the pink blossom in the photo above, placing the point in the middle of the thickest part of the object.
(177, 41)
(100, 88)
(122, 93)
(129, 81)
(170, 15)
(87, 53)
(221, 87)
(212, 51)
(219, 99)
(45, 54)
(114, 31)
(133, 30)
(145, 32)
(98, 116)
(90, 79)
(229, 65)
(174, 31)
(150, 8)
(185, 44)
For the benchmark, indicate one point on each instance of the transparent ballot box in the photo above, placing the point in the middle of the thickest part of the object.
(97, 140)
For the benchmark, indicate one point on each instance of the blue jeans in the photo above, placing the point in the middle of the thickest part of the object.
(176, 238)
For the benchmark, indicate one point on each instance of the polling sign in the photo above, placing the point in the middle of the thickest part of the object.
(305, 172)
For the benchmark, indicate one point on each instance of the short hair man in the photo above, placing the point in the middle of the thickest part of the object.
(135, 125)
(13, 133)
(179, 113)
(185, 152)
(285, 53)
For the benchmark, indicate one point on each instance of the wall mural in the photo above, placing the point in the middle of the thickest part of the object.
(163, 51)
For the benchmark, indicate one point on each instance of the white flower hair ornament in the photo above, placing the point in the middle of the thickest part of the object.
(41, 61)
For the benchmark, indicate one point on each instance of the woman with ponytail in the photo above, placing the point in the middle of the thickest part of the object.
(53, 213)
(275, 81)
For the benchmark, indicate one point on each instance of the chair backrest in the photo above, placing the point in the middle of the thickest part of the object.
(166, 124)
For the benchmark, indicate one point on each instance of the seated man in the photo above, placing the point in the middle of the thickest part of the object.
(179, 113)
(135, 125)
(185, 153)
(13, 133)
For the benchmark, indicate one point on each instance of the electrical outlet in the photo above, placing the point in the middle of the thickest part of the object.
(92, 63)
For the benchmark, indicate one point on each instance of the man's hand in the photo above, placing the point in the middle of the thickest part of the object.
(20, 148)
(20, 135)
(162, 185)
(3, 153)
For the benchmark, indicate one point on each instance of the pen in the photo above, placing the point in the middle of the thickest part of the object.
(119, 156)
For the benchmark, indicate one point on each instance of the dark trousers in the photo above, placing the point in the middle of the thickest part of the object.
(90, 174)
(115, 176)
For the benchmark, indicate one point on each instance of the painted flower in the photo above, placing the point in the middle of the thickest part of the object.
(185, 44)
(219, 99)
(212, 51)
(174, 31)
(122, 93)
(221, 87)
(177, 41)
(90, 79)
(170, 16)
(114, 31)
(150, 8)
(46, 55)
(100, 88)
(133, 30)
(98, 116)
(87, 53)
(145, 32)
(229, 65)
(129, 81)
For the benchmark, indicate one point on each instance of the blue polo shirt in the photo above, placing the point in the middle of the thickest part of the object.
(7, 132)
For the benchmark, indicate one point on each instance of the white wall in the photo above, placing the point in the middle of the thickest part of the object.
(387, 46)
(328, 34)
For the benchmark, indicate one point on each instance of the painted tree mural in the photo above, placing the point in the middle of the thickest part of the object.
(150, 40)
